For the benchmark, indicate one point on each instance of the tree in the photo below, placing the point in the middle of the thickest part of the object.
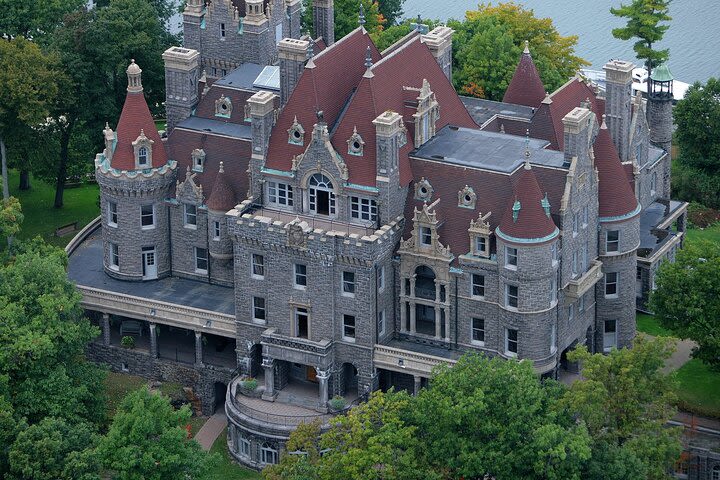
(302, 461)
(488, 44)
(495, 416)
(687, 298)
(146, 440)
(34, 18)
(393, 33)
(697, 117)
(625, 401)
(391, 10)
(347, 14)
(27, 87)
(644, 18)
(53, 449)
(10, 217)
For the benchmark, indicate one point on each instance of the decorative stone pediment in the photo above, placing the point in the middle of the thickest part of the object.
(188, 191)
(321, 156)
(427, 114)
(480, 232)
(467, 198)
(425, 239)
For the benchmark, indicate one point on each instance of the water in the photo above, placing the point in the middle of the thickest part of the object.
(693, 37)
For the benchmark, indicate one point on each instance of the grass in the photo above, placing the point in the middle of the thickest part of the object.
(117, 385)
(41, 218)
(698, 389)
(225, 469)
(648, 324)
(710, 234)
(196, 424)
(172, 390)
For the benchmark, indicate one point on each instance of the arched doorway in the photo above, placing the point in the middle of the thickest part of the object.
(425, 283)
(321, 195)
(220, 392)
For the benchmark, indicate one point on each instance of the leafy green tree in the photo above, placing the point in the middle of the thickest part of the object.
(392, 34)
(697, 117)
(27, 88)
(34, 18)
(147, 441)
(9, 426)
(391, 10)
(43, 337)
(495, 416)
(644, 19)
(10, 217)
(53, 449)
(302, 463)
(488, 43)
(687, 298)
(625, 401)
(347, 14)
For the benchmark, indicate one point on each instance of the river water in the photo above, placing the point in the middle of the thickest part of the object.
(693, 38)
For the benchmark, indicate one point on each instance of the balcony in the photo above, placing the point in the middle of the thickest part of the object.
(296, 349)
(412, 358)
(578, 286)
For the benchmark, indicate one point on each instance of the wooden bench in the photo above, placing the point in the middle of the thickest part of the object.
(65, 229)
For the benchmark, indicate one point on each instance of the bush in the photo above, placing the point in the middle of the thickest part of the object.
(694, 185)
(337, 402)
(702, 216)
(249, 384)
(127, 342)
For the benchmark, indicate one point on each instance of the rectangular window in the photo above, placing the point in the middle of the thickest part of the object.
(511, 296)
(114, 256)
(258, 266)
(381, 278)
(300, 275)
(190, 216)
(244, 447)
(302, 323)
(478, 331)
(478, 285)
(585, 255)
(585, 216)
(349, 327)
(348, 284)
(381, 322)
(259, 309)
(553, 291)
(511, 257)
(363, 209)
(147, 216)
(222, 30)
(609, 335)
(216, 230)
(612, 241)
(201, 260)
(112, 214)
(581, 304)
(425, 236)
(481, 245)
(511, 342)
(571, 312)
(611, 284)
(280, 194)
(575, 221)
(553, 338)
(575, 264)
(268, 455)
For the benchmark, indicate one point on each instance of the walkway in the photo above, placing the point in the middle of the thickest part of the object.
(212, 429)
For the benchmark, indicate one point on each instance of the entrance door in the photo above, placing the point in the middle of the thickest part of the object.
(610, 335)
(302, 329)
(149, 263)
(311, 374)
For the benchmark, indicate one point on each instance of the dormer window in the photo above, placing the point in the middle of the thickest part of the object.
(296, 133)
(480, 236)
(198, 160)
(425, 236)
(143, 151)
(423, 190)
(355, 144)
(223, 106)
(428, 112)
(466, 198)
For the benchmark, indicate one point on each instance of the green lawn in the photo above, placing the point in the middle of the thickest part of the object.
(41, 218)
(711, 234)
(698, 389)
(117, 385)
(226, 469)
(648, 324)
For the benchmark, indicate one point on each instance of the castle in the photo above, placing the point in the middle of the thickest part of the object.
(332, 219)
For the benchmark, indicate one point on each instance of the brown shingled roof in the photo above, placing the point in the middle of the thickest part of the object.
(222, 197)
(136, 117)
(526, 87)
(615, 195)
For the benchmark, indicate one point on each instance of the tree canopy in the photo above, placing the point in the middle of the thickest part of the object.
(644, 18)
(686, 299)
(488, 44)
(34, 18)
(347, 16)
(697, 117)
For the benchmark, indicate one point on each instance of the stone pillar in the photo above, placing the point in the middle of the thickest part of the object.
(198, 349)
(269, 367)
(618, 104)
(322, 377)
(292, 54)
(153, 341)
(324, 20)
(439, 42)
(412, 317)
(106, 328)
(418, 384)
(403, 316)
(447, 324)
(438, 329)
(437, 291)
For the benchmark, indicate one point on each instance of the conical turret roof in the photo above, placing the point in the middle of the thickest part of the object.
(615, 196)
(526, 87)
(222, 197)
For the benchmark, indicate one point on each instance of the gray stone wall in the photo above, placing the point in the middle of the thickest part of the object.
(221, 249)
(324, 20)
(184, 240)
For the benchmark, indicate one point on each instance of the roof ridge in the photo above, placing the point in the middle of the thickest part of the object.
(344, 39)
(394, 52)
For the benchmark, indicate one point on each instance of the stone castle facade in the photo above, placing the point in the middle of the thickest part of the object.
(363, 221)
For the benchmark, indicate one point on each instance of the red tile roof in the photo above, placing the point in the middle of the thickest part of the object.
(238, 99)
(615, 194)
(136, 117)
(547, 121)
(526, 87)
(222, 198)
(532, 222)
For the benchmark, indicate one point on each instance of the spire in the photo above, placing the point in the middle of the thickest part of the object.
(222, 168)
(526, 87)
(615, 195)
(222, 196)
(134, 74)
(368, 57)
(361, 17)
(527, 149)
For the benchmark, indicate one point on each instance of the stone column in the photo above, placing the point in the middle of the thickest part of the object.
(447, 324)
(418, 384)
(322, 377)
(437, 291)
(403, 315)
(153, 341)
(412, 317)
(437, 322)
(106, 328)
(269, 367)
(198, 349)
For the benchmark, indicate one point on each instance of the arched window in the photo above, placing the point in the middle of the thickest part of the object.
(142, 156)
(716, 472)
(321, 195)
(425, 282)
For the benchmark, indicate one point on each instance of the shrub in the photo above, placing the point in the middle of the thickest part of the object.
(337, 402)
(702, 216)
(127, 342)
(249, 384)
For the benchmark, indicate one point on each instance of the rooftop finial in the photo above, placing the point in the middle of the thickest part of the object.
(527, 149)
(222, 168)
(311, 49)
(603, 126)
(368, 57)
(361, 17)
(527, 47)
(134, 75)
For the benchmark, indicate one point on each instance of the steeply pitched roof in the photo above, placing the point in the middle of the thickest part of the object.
(525, 217)
(136, 118)
(526, 87)
(615, 195)
(222, 197)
